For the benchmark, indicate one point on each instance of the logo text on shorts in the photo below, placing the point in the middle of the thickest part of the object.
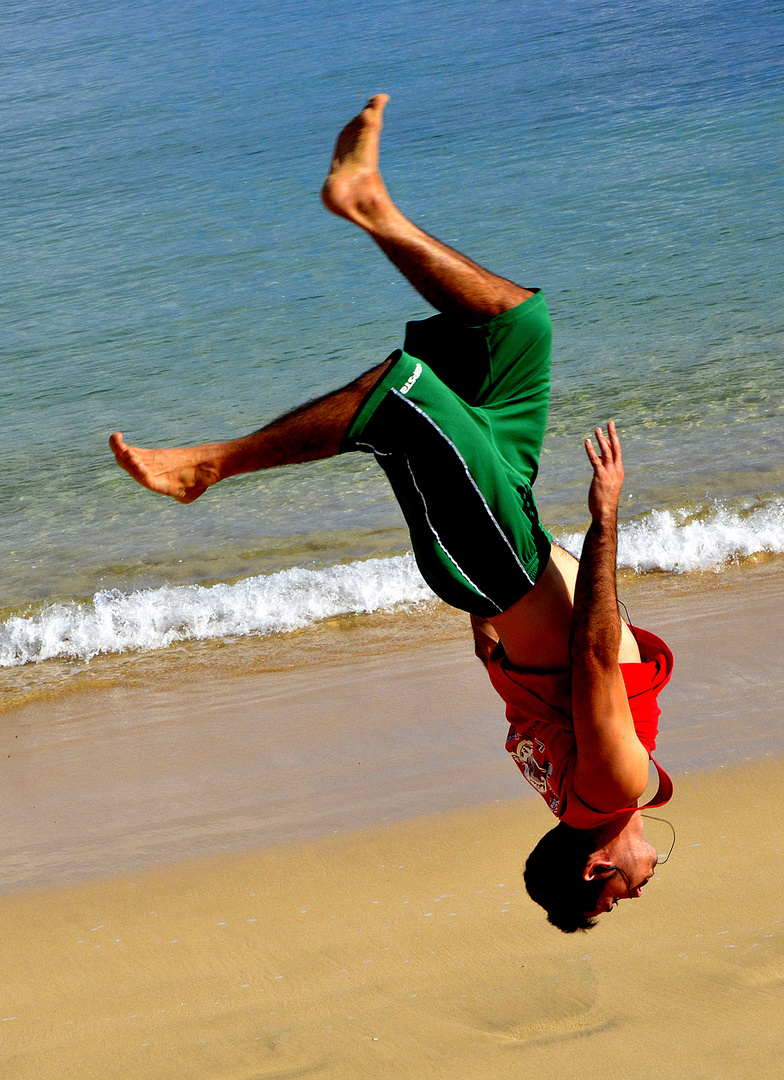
(411, 380)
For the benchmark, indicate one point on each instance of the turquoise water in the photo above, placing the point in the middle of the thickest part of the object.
(169, 270)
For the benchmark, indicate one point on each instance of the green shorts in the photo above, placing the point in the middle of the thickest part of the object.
(457, 424)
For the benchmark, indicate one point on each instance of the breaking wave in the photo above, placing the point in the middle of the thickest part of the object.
(154, 618)
(672, 541)
(678, 541)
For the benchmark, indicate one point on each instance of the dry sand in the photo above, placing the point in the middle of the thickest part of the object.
(410, 951)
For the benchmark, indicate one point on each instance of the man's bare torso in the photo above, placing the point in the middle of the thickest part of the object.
(535, 630)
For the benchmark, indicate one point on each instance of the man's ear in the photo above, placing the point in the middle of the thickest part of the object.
(596, 866)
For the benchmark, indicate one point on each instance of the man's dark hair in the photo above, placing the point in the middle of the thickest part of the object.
(554, 878)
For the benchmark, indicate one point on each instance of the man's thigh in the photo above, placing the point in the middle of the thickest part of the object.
(473, 522)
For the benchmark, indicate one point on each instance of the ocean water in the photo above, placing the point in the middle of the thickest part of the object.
(170, 272)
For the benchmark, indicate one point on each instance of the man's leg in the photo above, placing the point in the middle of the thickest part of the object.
(311, 432)
(447, 280)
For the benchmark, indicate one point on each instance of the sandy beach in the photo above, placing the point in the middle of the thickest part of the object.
(316, 870)
(411, 951)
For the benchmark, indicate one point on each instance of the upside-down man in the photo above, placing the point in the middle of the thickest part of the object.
(456, 419)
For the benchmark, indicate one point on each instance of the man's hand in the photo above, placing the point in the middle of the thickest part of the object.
(607, 473)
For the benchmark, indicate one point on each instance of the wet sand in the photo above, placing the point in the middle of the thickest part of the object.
(220, 751)
(187, 894)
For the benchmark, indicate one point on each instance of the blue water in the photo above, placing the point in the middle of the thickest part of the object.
(169, 270)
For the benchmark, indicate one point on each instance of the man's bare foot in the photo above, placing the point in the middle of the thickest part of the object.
(354, 188)
(184, 474)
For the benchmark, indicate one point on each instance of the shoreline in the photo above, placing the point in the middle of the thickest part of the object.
(333, 638)
(369, 721)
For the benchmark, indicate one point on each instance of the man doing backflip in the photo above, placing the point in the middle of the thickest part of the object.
(456, 419)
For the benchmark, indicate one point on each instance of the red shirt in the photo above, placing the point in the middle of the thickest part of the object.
(541, 737)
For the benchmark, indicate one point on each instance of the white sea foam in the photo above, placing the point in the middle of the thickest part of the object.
(154, 618)
(679, 541)
(673, 541)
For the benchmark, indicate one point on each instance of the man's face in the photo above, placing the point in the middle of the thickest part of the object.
(626, 882)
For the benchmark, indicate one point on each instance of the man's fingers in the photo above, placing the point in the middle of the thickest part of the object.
(604, 445)
(593, 457)
(608, 455)
(609, 445)
(615, 442)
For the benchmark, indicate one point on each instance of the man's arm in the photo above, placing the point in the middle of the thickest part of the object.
(612, 763)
